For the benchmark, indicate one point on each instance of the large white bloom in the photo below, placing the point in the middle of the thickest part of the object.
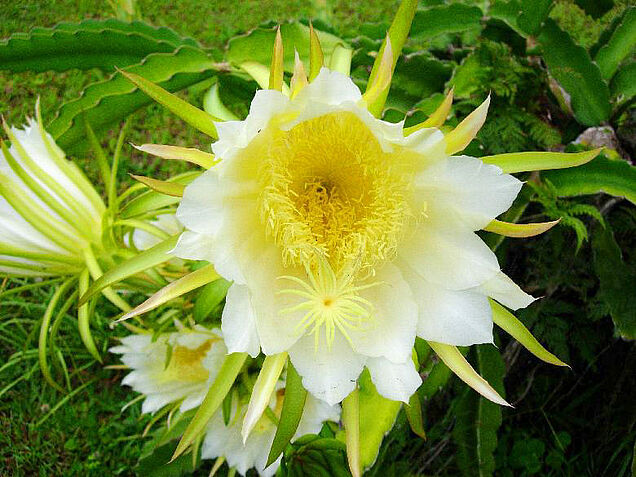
(344, 239)
(226, 441)
(49, 212)
(172, 367)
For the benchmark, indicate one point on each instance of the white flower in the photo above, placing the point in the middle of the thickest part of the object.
(226, 441)
(172, 367)
(344, 239)
(168, 223)
(49, 212)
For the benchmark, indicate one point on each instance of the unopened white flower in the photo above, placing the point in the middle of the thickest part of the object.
(166, 223)
(226, 441)
(172, 367)
(49, 212)
(345, 238)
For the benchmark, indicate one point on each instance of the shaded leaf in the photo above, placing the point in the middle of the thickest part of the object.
(612, 176)
(107, 102)
(620, 45)
(573, 68)
(104, 44)
(478, 419)
(453, 18)
(617, 281)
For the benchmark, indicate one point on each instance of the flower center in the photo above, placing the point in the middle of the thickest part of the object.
(330, 190)
(186, 364)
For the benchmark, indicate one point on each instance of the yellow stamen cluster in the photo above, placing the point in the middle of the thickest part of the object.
(186, 364)
(329, 190)
(331, 301)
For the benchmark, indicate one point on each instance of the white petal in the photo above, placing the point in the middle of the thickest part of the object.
(461, 318)
(506, 292)
(196, 210)
(394, 381)
(328, 374)
(315, 413)
(236, 135)
(330, 87)
(454, 259)
(239, 322)
(391, 333)
(194, 246)
(467, 189)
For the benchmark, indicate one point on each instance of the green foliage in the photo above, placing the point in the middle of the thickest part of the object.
(573, 68)
(104, 44)
(602, 174)
(442, 19)
(316, 456)
(619, 46)
(110, 101)
(617, 282)
(377, 416)
(478, 419)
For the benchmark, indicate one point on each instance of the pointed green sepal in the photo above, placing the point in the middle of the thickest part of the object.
(291, 413)
(177, 288)
(511, 325)
(452, 358)
(277, 70)
(188, 154)
(192, 115)
(508, 229)
(540, 160)
(398, 33)
(351, 423)
(152, 257)
(173, 189)
(316, 56)
(414, 415)
(213, 399)
(262, 391)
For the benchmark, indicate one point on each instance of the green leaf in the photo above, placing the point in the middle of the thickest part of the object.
(617, 281)
(377, 416)
(624, 82)
(157, 463)
(595, 8)
(152, 257)
(533, 14)
(210, 296)
(620, 45)
(107, 102)
(612, 176)
(573, 68)
(453, 18)
(291, 413)
(213, 399)
(420, 75)
(478, 419)
(315, 456)
(257, 45)
(104, 44)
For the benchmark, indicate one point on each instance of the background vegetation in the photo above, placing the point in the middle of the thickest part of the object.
(565, 422)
